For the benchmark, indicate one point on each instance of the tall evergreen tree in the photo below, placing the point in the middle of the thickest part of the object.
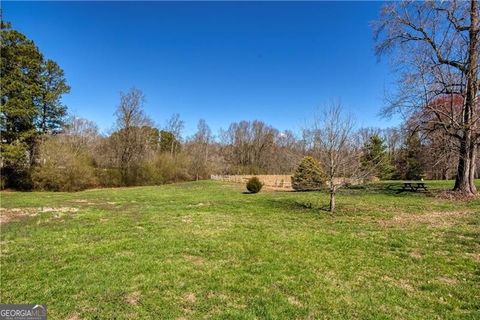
(51, 111)
(375, 158)
(30, 89)
(412, 165)
(308, 176)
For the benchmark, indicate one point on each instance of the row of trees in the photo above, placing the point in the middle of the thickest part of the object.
(139, 153)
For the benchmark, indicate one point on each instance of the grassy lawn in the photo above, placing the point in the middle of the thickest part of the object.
(206, 250)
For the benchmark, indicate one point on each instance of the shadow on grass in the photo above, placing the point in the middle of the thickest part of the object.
(302, 205)
(391, 189)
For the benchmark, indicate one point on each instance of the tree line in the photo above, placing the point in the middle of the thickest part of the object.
(137, 152)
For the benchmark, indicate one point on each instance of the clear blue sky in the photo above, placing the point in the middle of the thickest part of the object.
(221, 61)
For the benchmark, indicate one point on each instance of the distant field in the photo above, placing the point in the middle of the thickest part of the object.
(207, 250)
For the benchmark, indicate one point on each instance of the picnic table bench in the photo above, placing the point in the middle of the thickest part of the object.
(413, 186)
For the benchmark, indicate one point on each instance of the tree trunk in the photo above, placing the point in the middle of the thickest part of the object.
(332, 201)
(464, 181)
(332, 196)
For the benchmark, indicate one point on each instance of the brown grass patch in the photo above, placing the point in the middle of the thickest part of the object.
(399, 283)
(415, 254)
(195, 260)
(453, 196)
(133, 298)
(189, 298)
(294, 301)
(433, 219)
(12, 214)
(447, 280)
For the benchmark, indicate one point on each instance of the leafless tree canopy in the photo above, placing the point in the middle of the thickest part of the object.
(129, 141)
(330, 139)
(435, 46)
(199, 150)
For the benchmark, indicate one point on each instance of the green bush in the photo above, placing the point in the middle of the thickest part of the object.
(254, 185)
(308, 176)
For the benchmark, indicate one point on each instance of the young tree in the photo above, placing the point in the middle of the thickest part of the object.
(331, 136)
(436, 44)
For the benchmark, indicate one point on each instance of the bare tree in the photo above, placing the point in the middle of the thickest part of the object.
(248, 146)
(331, 137)
(436, 46)
(83, 131)
(287, 153)
(175, 126)
(198, 149)
(129, 139)
(442, 158)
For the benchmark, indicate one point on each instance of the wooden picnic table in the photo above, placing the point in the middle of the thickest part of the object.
(414, 186)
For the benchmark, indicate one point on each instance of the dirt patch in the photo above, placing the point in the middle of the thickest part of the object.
(474, 256)
(133, 298)
(11, 214)
(197, 205)
(189, 298)
(294, 301)
(187, 219)
(433, 219)
(61, 209)
(7, 215)
(415, 254)
(195, 260)
(80, 201)
(447, 280)
(400, 283)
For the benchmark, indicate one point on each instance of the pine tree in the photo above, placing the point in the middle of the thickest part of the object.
(28, 86)
(375, 158)
(308, 176)
(412, 166)
(51, 111)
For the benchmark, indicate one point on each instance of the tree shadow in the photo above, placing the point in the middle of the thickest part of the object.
(303, 205)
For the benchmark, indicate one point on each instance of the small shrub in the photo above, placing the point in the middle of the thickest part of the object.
(254, 185)
(308, 176)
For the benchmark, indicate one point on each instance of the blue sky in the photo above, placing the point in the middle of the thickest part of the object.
(222, 61)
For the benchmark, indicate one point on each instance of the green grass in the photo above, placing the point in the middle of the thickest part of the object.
(206, 250)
